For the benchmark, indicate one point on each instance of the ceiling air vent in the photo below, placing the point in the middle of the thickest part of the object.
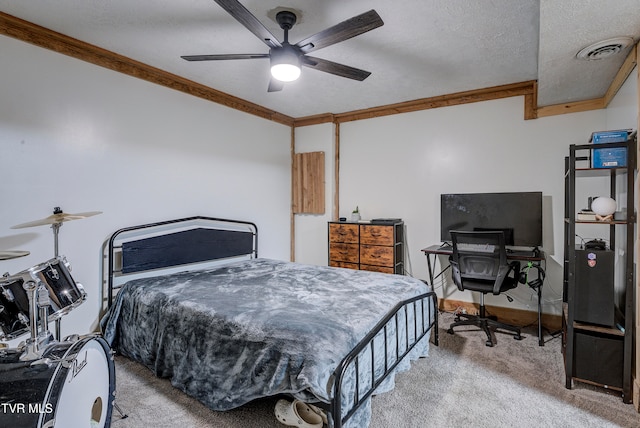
(605, 48)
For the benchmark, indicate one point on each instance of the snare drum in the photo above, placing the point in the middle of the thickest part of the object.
(64, 293)
(71, 386)
(14, 308)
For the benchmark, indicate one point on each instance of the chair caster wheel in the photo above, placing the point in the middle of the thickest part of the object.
(518, 337)
(489, 343)
(450, 331)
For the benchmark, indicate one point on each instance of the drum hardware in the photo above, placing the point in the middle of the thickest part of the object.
(43, 306)
(71, 338)
(53, 273)
(118, 409)
(55, 220)
(8, 294)
(38, 308)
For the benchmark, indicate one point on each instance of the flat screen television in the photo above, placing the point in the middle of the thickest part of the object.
(518, 214)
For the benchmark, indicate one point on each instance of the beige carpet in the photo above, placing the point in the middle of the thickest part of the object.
(462, 383)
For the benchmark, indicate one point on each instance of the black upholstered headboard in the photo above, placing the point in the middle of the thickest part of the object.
(178, 242)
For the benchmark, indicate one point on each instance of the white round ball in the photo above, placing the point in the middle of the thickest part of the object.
(603, 206)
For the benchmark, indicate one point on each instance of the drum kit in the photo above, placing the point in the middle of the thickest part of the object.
(46, 382)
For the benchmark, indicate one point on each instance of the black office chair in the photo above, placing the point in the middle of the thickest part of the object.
(479, 263)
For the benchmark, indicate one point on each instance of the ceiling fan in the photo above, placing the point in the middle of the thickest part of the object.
(286, 58)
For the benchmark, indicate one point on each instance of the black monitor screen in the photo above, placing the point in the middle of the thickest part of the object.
(518, 214)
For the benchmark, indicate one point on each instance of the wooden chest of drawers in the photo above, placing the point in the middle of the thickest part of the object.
(366, 246)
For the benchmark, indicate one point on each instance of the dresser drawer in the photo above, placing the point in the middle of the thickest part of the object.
(343, 252)
(334, 263)
(343, 233)
(383, 269)
(376, 255)
(376, 235)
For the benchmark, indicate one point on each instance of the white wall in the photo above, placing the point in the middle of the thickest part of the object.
(397, 166)
(85, 138)
(622, 112)
(313, 248)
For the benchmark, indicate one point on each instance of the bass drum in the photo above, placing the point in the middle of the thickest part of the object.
(71, 386)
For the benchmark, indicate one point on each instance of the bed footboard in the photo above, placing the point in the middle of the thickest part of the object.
(419, 317)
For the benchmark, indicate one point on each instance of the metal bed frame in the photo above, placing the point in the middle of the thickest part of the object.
(240, 239)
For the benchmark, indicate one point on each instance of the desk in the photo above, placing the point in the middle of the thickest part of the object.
(517, 255)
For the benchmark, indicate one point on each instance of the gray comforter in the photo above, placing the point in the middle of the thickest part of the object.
(256, 328)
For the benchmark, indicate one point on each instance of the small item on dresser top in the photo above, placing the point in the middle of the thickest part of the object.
(385, 220)
(355, 215)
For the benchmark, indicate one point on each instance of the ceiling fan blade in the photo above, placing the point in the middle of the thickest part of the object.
(335, 68)
(345, 30)
(222, 57)
(246, 18)
(275, 85)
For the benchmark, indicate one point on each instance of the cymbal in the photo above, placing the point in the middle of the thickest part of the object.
(57, 219)
(7, 255)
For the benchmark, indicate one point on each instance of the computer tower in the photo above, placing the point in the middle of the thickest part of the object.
(594, 287)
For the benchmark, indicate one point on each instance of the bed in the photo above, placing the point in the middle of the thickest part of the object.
(191, 300)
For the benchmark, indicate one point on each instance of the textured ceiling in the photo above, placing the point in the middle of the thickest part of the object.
(426, 48)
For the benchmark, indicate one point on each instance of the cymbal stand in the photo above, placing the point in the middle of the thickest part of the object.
(56, 231)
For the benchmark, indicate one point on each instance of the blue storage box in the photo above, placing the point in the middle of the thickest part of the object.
(610, 157)
(617, 136)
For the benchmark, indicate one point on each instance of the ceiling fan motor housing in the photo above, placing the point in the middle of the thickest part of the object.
(286, 19)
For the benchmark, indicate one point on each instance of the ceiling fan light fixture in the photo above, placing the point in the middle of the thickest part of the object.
(285, 64)
(285, 72)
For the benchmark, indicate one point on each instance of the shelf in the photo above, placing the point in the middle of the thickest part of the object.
(602, 171)
(598, 329)
(602, 223)
(594, 283)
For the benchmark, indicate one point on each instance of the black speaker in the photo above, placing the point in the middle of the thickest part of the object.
(594, 287)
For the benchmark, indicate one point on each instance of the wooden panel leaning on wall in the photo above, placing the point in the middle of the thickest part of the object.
(308, 183)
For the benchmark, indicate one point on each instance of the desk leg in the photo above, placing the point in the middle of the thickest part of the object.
(430, 270)
(540, 339)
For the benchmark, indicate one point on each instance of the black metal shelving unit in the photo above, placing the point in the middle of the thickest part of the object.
(604, 347)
